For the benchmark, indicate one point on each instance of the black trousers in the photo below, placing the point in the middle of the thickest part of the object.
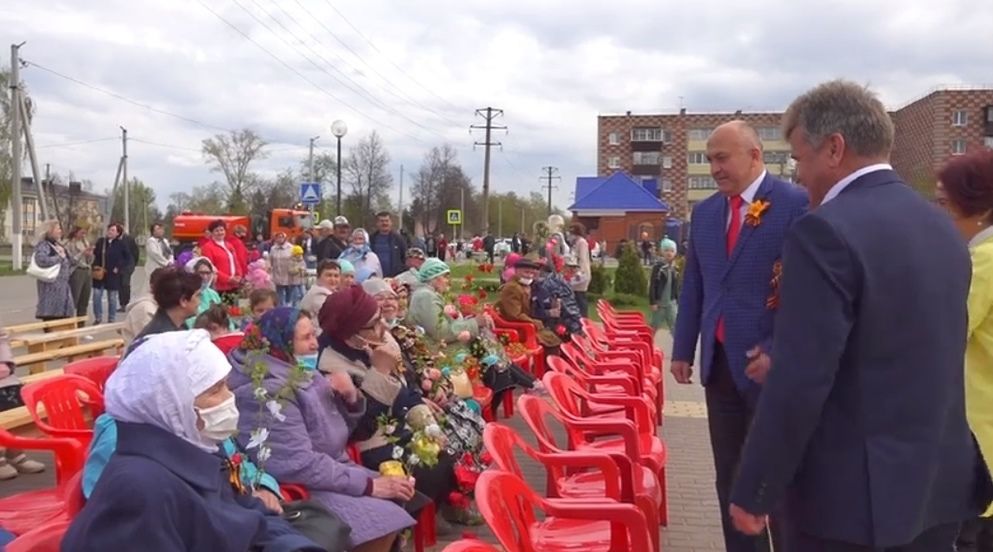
(729, 414)
(584, 306)
(976, 536)
(124, 297)
(936, 539)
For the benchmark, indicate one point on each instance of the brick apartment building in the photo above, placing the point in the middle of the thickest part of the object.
(671, 148)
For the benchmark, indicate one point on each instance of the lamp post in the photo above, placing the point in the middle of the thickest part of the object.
(339, 129)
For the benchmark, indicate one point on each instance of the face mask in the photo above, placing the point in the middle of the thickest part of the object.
(526, 281)
(219, 422)
(309, 362)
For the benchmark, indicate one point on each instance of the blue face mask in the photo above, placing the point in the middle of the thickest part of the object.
(309, 362)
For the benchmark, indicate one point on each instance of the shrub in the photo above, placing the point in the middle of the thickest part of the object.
(626, 300)
(599, 279)
(630, 276)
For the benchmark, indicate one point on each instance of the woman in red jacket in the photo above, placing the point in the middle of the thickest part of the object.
(230, 271)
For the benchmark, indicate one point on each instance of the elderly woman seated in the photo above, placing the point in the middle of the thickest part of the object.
(303, 420)
(166, 487)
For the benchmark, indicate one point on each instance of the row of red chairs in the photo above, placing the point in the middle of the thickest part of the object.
(605, 489)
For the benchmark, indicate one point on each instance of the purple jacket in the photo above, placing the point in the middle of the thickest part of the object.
(308, 447)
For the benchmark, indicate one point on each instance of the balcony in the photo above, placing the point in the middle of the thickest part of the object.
(645, 170)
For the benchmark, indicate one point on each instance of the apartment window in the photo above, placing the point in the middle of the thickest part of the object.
(613, 162)
(988, 142)
(666, 162)
(700, 134)
(958, 147)
(989, 114)
(960, 118)
(645, 157)
(770, 133)
(775, 157)
(698, 158)
(613, 139)
(650, 134)
(702, 183)
(666, 185)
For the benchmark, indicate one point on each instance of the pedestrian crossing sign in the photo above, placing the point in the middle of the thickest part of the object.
(454, 217)
(310, 193)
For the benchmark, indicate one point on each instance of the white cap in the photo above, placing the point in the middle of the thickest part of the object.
(325, 225)
(341, 221)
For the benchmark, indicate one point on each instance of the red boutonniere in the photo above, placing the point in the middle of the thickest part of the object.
(772, 302)
(234, 473)
(756, 210)
(561, 330)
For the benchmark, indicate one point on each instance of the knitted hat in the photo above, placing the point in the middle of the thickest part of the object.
(431, 269)
(346, 312)
(346, 266)
(667, 245)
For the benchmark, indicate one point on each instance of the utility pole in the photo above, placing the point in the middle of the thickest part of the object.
(500, 219)
(16, 202)
(310, 162)
(488, 114)
(549, 176)
(124, 173)
(462, 208)
(400, 223)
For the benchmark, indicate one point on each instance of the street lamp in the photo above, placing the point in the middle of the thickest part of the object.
(339, 129)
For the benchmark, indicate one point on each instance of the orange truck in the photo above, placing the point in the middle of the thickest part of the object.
(188, 228)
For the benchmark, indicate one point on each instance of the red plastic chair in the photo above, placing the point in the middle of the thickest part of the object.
(613, 375)
(592, 476)
(470, 545)
(229, 342)
(23, 512)
(43, 537)
(528, 335)
(622, 438)
(633, 316)
(96, 369)
(572, 398)
(508, 506)
(64, 406)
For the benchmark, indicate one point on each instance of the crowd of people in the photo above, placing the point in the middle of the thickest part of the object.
(369, 389)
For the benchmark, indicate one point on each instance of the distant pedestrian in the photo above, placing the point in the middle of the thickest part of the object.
(80, 251)
(54, 297)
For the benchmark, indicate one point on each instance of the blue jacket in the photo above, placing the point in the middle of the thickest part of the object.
(160, 493)
(737, 287)
(861, 424)
(105, 442)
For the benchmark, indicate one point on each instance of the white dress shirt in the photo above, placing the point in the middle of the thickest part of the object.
(747, 197)
(844, 182)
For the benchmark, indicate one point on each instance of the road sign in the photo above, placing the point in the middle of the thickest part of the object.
(454, 217)
(310, 193)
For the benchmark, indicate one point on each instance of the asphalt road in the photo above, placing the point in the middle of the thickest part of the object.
(19, 297)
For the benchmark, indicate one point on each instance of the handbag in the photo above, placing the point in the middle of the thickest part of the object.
(99, 272)
(312, 520)
(49, 274)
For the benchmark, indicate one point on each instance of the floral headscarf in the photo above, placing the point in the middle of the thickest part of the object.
(353, 253)
(273, 333)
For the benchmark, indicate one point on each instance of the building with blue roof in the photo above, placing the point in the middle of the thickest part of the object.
(617, 207)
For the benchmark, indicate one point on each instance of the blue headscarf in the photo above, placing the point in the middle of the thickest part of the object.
(354, 254)
(274, 330)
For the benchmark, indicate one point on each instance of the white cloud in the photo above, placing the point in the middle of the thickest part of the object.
(552, 65)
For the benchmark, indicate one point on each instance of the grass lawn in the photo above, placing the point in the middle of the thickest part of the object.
(491, 280)
(6, 269)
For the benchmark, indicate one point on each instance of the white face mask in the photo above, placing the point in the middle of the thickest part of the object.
(219, 422)
(526, 281)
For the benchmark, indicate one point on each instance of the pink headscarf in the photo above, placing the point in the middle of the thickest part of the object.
(509, 262)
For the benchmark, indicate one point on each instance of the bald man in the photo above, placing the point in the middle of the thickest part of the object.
(728, 299)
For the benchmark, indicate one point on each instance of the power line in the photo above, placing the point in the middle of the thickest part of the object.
(123, 98)
(293, 70)
(366, 62)
(549, 176)
(380, 52)
(80, 143)
(158, 144)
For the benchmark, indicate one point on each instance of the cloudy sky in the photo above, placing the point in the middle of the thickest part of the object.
(415, 71)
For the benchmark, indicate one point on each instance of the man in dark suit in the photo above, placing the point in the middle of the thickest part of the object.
(860, 430)
(134, 252)
(736, 241)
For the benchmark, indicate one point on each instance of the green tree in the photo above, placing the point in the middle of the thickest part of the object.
(630, 276)
(141, 208)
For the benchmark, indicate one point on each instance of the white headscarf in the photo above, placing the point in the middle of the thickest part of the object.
(158, 381)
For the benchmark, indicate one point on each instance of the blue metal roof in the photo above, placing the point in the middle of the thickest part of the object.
(618, 192)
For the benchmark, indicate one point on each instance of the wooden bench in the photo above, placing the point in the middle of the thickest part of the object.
(40, 343)
(56, 325)
(83, 350)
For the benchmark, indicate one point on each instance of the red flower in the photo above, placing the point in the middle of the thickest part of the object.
(469, 278)
(486, 458)
(561, 330)
(481, 294)
(458, 500)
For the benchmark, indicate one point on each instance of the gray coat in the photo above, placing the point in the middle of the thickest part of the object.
(54, 298)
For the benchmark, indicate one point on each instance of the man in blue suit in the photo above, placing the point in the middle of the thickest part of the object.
(860, 431)
(736, 239)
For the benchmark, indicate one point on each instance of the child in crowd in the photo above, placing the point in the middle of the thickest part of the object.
(347, 274)
(261, 301)
(328, 280)
(215, 320)
(663, 289)
(298, 274)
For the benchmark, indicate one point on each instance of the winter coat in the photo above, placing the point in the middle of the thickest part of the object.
(55, 297)
(114, 256)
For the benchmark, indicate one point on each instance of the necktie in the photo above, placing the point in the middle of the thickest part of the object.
(734, 229)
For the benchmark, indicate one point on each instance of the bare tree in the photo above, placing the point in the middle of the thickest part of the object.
(438, 186)
(367, 168)
(232, 155)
